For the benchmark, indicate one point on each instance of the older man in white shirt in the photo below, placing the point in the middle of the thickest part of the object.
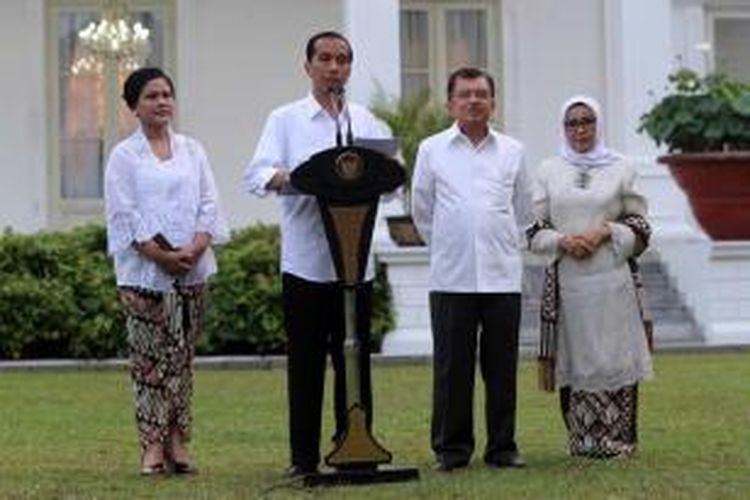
(312, 300)
(471, 199)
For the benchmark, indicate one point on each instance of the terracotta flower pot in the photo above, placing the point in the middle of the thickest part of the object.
(718, 188)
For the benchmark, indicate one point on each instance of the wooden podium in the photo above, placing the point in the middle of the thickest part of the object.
(347, 182)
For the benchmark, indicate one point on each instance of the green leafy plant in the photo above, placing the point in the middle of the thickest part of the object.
(411, 120)
(244, 314)
(244, 310)
(58, 297)
(700, 114)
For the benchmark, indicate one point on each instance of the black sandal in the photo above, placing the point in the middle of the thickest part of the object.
(184, 468)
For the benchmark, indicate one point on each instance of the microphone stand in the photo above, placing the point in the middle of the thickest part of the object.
(339, 106)
(357, 449)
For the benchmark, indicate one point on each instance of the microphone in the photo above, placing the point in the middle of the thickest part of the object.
(337, 94)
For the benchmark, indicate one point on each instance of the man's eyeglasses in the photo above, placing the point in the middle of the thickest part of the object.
(482, 95)
(575, 123)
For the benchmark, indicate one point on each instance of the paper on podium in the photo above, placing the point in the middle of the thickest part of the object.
(387, 146)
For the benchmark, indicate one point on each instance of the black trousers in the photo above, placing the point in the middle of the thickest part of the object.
(314, 324)
(457, 318)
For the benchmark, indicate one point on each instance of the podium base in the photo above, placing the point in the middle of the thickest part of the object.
(380, 474)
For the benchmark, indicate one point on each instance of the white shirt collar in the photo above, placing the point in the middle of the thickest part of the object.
(313, 107)
(456, 134)
(142, 147)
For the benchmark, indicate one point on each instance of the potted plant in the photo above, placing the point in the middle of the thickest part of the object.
(705, 123)
(410, 120)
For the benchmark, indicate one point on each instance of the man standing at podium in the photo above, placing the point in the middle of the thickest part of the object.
(471, 196)
(312, 300)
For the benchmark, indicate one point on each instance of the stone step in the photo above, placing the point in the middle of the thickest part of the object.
(673, 321)
(408, 271)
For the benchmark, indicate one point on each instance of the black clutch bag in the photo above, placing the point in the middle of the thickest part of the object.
(163, 243)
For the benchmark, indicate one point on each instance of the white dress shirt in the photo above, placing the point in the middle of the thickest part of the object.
(469, 203)
(144, 196)
(292, 134)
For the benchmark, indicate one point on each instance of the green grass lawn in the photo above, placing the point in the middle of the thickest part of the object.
(71, 435)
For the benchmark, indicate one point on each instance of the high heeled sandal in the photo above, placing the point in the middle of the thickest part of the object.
(157, 469)
(184, 468)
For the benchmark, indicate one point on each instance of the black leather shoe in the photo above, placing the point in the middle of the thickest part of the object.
(295, 471)
(337, 436)
(445, 466)
(507, 460)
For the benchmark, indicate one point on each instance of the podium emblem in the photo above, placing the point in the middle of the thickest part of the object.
(349, 166)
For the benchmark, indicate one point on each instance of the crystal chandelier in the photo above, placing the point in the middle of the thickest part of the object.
(112, 39)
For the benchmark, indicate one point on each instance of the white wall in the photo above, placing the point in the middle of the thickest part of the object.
(639, 58)
(552, 50)
(237, 60)
(22, 121)
(373, 30)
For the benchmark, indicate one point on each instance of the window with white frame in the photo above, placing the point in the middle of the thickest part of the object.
(731, 42)
(87, 113)
(439, 36)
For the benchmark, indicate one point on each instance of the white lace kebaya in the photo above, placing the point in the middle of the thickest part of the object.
(176, 197)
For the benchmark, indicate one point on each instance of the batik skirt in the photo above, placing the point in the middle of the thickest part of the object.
(601, 424)
(162, 329)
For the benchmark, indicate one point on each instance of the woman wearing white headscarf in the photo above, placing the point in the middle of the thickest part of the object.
(590, 226)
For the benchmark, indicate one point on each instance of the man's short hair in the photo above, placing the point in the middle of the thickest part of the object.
(470, 73)
(310, 47)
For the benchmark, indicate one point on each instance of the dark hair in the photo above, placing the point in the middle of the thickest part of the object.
(133, 86)
(575, 104)
(469, 73)
(310, 47)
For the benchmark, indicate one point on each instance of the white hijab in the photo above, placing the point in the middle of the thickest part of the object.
(599, 155)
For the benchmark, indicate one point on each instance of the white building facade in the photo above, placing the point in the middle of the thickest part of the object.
(234, 60)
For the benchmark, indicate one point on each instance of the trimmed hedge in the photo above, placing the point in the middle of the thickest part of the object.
(58, 297)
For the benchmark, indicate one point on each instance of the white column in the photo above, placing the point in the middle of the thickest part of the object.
(409, 276)
(373, 30)
(728, 293)
(641, 51)
(639, 55)
(645, 41)
(690, 36)
(24, 137)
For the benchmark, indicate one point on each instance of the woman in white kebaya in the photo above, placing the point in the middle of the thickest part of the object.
(590, 224)
(162, 218)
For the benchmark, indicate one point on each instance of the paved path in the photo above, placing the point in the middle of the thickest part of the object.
(269, 362)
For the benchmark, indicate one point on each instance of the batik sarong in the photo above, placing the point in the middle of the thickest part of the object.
(162, 329)
(601, 424)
